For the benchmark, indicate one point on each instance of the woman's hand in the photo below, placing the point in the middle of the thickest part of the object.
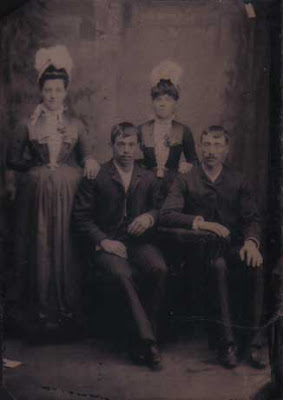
(185, 167)
(91, 168)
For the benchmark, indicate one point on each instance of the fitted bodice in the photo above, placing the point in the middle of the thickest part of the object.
(56, 143)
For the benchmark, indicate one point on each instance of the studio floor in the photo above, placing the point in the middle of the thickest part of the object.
(95, 369)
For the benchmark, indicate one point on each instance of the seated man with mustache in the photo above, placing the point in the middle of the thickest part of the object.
(215, 198)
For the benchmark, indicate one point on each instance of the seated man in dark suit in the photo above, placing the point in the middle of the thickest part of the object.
(213, 197)
(116, 213)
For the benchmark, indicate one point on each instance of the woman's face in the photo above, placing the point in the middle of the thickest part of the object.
(164, 106)
(53, 94)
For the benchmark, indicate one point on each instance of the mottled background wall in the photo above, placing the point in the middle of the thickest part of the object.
(116, 43)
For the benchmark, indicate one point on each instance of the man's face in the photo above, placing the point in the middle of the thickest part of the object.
(214, 150)
(124, 150)
(53, 94)
(164, 106)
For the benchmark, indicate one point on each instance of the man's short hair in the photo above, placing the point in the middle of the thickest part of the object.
(124, 129)
(217, 131)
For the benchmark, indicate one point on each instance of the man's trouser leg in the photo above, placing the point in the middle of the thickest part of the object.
(247, 288)
(120, 272)
(219, 301)
(255, 282)
(151, 267)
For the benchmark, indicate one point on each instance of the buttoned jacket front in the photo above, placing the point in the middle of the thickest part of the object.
(102, 209)
(229, 201)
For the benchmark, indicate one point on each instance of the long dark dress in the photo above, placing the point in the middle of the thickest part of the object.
(44, 255)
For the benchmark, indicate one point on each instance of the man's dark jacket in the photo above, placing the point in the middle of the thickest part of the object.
(100, 204)
(228, 201)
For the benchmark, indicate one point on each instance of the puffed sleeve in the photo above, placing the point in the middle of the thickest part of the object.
(189, 146)
(16, 158)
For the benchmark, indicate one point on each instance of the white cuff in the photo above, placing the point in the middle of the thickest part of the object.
(151, 219)
(255, 240)
(90, 157)
(196, 222)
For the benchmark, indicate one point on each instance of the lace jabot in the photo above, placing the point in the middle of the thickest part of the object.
(52, 131)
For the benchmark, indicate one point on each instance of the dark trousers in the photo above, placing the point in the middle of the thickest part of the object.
(236, 293)
(141, 281)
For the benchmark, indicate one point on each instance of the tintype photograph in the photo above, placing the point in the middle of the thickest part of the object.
(140, 200)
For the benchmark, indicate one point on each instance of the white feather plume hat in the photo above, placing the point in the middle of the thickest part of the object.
(168, 70)
(58, 56)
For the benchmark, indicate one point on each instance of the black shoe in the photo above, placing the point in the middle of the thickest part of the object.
(255, 358)
(152, 357)
(228, 356)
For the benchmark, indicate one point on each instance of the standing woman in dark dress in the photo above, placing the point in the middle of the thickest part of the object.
(49, 152)
(163, 139)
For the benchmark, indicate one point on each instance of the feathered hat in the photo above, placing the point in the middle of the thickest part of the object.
(166, 78)
(167, 70)
(56, 56)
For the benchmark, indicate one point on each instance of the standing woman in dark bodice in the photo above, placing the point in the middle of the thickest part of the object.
(163, 139)
(49, 152)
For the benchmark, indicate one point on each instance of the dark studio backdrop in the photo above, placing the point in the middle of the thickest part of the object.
(116, 43)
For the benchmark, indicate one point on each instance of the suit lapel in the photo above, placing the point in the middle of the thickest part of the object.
(114, 173)
(127, 197)
(208, 182)
(137, 172)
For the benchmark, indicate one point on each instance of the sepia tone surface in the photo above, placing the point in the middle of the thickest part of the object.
(115, 45)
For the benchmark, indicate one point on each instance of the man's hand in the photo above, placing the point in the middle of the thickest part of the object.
(91, 168)
(140, 224)
(214, 227)
(185, 167)
(114, 247)
(251, 254)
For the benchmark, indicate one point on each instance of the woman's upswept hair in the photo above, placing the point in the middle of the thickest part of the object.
(52, 73)
(164, 86)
